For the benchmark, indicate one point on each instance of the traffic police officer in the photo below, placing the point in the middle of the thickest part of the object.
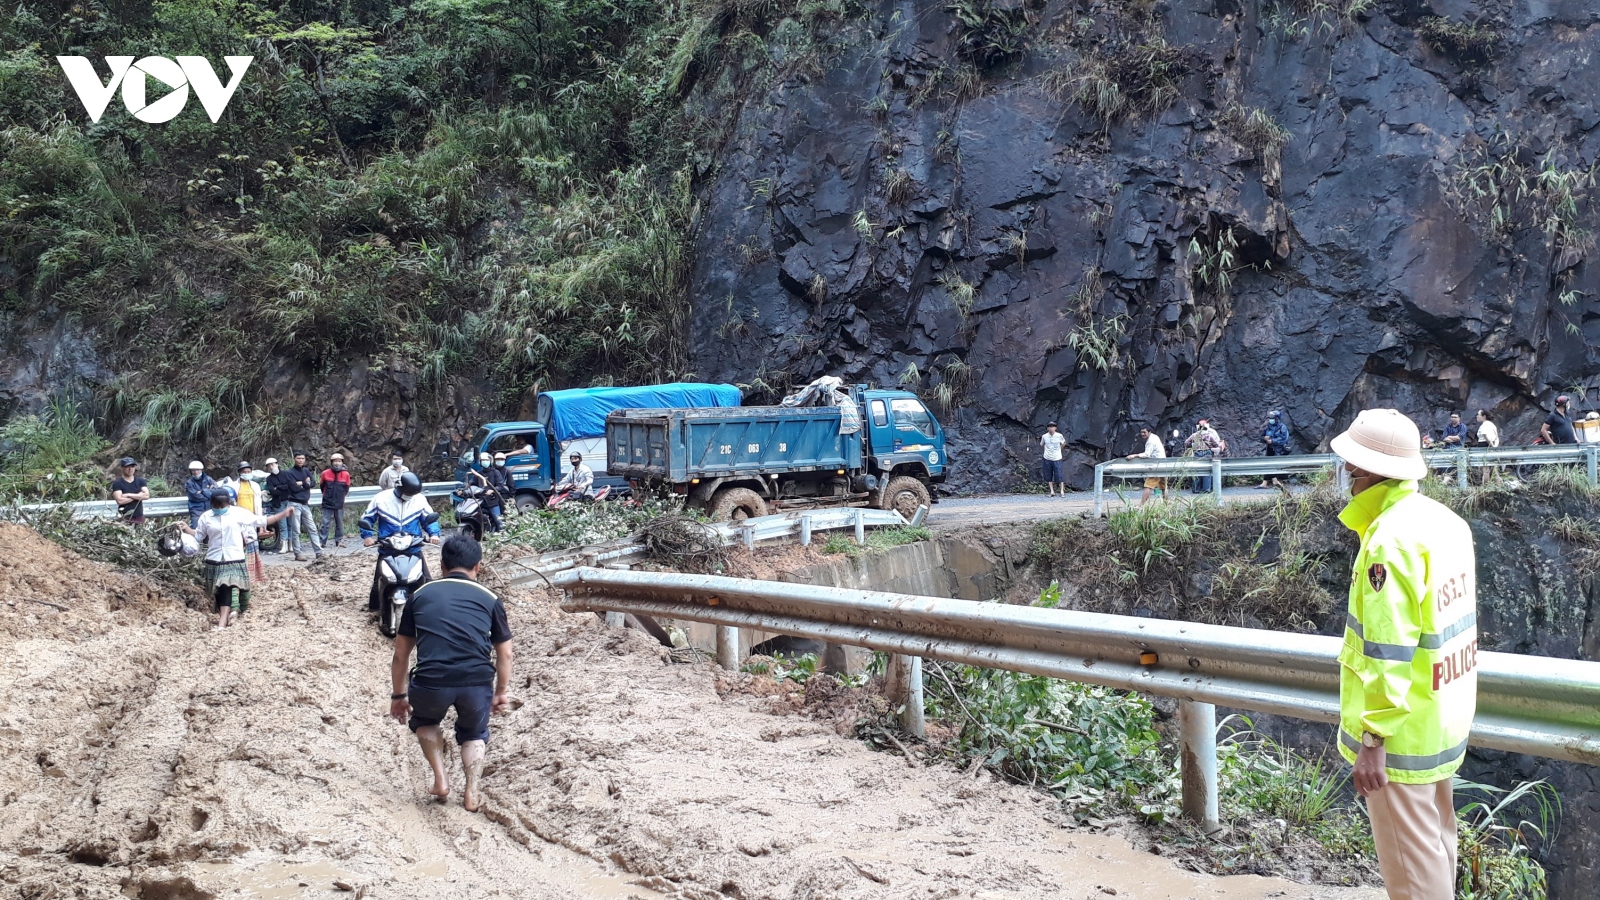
(1407, 681)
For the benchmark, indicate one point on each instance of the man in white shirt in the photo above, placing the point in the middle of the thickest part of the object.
(580, 478)
(391, 476)
(1152, 450)
(224, 529)
(1054, 469)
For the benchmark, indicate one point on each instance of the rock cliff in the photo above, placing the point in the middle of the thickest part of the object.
(1110, 213)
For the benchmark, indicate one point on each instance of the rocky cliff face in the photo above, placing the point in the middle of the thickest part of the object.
(1118, 213)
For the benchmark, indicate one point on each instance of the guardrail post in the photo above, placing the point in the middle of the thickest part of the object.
(749, 534)
(921, 515)
(861, 527)
(805, 531)
(1197, 732)
(616, 620)
(1461, 468)
(728, 647)
(1593, 459)
(1216, 477)
(905, 690)
(1100, 490)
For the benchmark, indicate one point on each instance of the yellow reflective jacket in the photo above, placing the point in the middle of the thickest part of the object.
(1407, 668)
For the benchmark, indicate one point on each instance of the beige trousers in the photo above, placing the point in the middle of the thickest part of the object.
(1414, 828)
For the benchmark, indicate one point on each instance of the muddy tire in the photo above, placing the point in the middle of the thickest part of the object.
(529, 501)
(904, 494)
(735, 504)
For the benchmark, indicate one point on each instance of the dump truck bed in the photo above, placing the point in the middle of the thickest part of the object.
(678, 445)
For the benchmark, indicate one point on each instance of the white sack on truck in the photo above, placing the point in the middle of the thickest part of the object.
(827, 391)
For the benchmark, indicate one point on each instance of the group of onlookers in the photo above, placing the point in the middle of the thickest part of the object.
(265, 493)
(1206, 442)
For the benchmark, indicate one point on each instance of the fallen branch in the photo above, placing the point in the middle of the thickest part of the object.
(46, 603)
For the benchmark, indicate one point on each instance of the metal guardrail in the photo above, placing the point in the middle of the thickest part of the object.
(159, 507)
(625, 551)
(1526, 704)
(1257, 466)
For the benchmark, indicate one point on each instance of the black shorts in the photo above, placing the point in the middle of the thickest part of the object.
(429, 706)
(1055, 470)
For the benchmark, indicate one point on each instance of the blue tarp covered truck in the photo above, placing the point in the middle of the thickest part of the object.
(575, 420)
(749, 461)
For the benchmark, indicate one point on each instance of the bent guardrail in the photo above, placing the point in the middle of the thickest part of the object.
(160, 507)
(1462, 460)
(1526, 704)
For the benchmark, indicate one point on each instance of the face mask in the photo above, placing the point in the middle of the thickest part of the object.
(499, 464)
(338, 467)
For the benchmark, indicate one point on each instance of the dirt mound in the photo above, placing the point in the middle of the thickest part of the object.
(38, 575)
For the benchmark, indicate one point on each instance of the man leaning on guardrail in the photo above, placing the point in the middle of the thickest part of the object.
(1407, 685)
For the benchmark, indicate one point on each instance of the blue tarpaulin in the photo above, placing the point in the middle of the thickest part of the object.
(581, 412)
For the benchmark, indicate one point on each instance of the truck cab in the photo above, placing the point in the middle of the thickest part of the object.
(902, 435)
(529, 461)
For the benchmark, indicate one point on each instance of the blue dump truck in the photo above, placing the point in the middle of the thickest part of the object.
(746, 462)
(575, 420)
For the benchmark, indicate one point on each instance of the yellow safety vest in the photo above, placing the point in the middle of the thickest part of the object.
(1407, 670)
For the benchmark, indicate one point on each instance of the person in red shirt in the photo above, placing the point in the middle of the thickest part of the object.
(335, 487)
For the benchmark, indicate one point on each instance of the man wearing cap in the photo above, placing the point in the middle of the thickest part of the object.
(579, 479)
(1275, 436)
(129, 491)
(197, 487)
(1407, 682)
(1557, 427)
(335, 487)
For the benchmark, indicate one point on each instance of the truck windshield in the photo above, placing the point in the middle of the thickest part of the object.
(911, 415)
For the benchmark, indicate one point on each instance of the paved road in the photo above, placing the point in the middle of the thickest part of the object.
(995, 509)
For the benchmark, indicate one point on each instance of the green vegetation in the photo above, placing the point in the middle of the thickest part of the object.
(1079, 740)
(1234, 565)
(1473, 44)
(445, 188)
(1256, 129)
(1495, 861)
(991, 32)
(42, 456)
(878, 540)
(1102, 753)
(580, 524)
(1507, 189)
(1129, 79)
(798, 669)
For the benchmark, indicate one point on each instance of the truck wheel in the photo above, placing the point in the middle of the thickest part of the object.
(737, 504)
(528, 502)
(904, 494)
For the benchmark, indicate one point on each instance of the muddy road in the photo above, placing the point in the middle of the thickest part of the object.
(143, 754)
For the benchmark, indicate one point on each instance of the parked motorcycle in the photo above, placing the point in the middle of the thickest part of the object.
(400, 568)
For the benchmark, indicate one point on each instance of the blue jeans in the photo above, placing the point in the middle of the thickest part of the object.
(429, 705)
(1202, 485)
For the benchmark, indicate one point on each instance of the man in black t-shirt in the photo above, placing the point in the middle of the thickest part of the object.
(1557, 428)
(129, 491)
(463, 643)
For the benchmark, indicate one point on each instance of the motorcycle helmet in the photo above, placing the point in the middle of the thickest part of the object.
(410, 485)
(485, 459)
